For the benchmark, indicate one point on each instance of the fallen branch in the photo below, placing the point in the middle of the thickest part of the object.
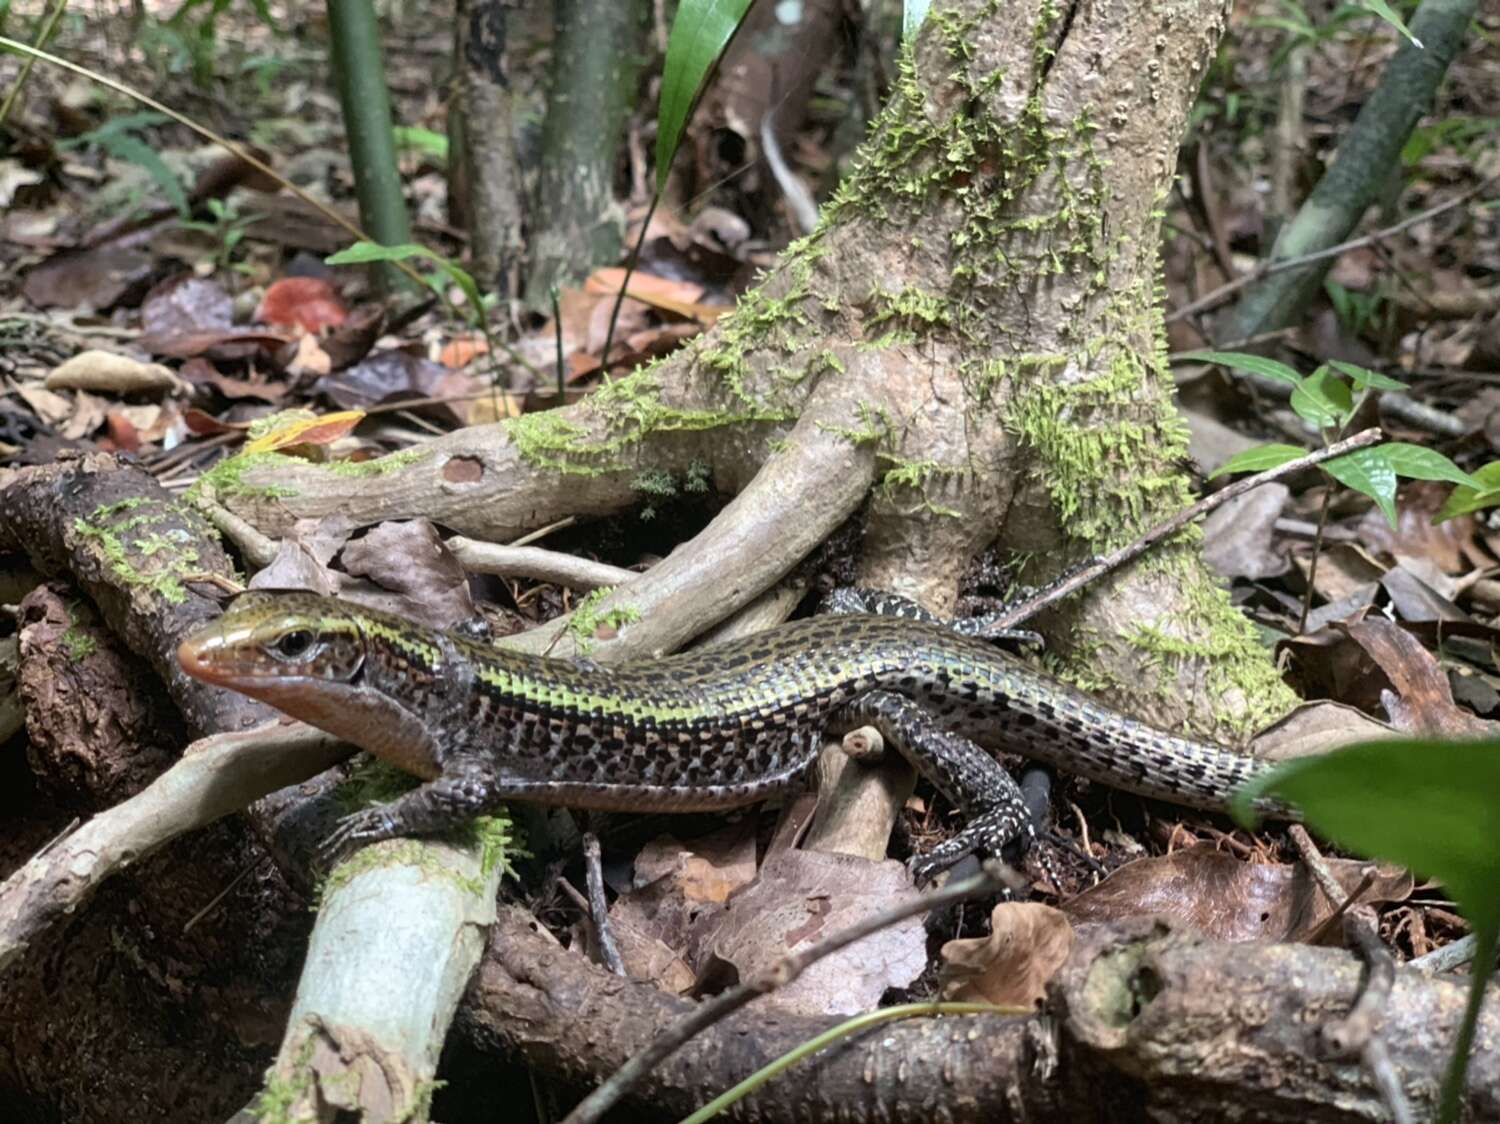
(216, 776)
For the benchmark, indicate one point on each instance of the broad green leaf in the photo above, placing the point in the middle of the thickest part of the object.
(1259, 459)
(699, 33)
(1466, 499)
(1369, 472)
(1418, 463)
(1255, 364)
(1370, 380)
(423, 140)
(1387, 13)
(1323, 399)
(1429, 805)
(362, 253)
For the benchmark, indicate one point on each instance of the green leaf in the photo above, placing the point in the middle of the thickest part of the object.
(1255, 364)
(1369, 380)
(363, 253)
(1323, 399)
(1367, 471)
(133, 150)
(1387, 13)
(1259, 459)
(699, 33)
(1465, 500)
(1418, 463)
(1429, 805)
(423, 140)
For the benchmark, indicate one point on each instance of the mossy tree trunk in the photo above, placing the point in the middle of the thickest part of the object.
(971, 342)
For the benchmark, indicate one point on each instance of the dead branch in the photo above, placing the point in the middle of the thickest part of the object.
(1146, 1023)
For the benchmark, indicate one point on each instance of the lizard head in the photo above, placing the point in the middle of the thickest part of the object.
(314, 658)
(267, 643)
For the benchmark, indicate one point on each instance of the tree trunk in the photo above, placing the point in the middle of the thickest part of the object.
(971, 341)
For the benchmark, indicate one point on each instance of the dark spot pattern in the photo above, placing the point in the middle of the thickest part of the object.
(739, 722)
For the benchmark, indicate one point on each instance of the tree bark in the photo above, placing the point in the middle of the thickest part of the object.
(485, 155)
(596, 65)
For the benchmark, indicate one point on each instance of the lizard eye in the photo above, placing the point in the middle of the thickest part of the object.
(294, 644)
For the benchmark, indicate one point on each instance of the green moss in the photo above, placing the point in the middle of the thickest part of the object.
(911, 308)
(77, 640)
(913, 475)
(629, 410)
(698, 479)
(227, 477)
(875, 426)
(1105, 460)
(281, 1095)
(587, 621)
(171, 556)
(379, 466)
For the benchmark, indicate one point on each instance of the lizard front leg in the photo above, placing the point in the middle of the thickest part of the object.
(467, 788)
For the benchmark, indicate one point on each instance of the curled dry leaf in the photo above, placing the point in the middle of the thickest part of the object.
(1231, 900)
(1028, 943)
(104, 372)
(410, 559)
(309, 303)
(1423, 702)
(662, 923)
(1239, 538)
(1316, 727)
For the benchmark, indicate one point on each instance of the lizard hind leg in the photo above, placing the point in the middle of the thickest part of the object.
(961, 770)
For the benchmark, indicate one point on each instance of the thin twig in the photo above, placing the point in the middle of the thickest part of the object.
(1092, 571)
(1451, 957)
(1355, 1035)
(1312, 567)
(1215, 297)
(593, 869)
(788, 968)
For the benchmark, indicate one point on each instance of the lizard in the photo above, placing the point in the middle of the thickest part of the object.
(713, 728)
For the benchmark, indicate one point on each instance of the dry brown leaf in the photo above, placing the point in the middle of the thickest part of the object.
(1028, 943)
(1239, 539)
(410, 558)
(1422, 703)
(712, 868)
(802, 897)
(1228, 899)
(1316, 727)
(104, 372)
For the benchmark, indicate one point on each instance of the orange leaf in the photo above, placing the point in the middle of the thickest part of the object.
(308, 303)
(306, 431)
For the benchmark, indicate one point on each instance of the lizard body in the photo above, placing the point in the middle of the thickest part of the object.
(712, 728)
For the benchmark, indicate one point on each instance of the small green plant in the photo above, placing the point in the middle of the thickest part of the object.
(1327, 400)
(227, 227)
(121, 138)
(364, 253)
(1359, 312)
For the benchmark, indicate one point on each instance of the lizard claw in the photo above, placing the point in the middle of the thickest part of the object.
(354, 831)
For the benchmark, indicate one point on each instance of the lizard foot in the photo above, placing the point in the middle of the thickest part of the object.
(354, 831)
